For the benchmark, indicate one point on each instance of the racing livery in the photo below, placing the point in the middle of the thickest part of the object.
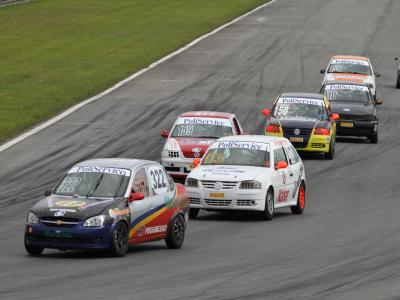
(248, 172)
(348, 67)
(109, 204)
(190, 137)
(305, 119)
(356, 106)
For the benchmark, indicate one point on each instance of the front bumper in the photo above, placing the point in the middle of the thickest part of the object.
(233, 199)
(177, 167)
(76, 237)
(316, 143)
(360, 128)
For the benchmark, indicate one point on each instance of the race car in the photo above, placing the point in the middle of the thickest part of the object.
(306, 120)
(109, 204)
(346, 67)
(250, 173)
(190, 137)
(356, 106)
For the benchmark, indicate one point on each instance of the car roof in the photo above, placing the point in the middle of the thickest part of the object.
(253, 138)
(123, 163)
(207, 114)
(355, 57)
(303, 95)
(347, 82)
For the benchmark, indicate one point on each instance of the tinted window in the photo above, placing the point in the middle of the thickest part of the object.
(141, 183)
(292, 155)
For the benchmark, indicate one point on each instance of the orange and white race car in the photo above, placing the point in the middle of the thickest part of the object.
(353, 68)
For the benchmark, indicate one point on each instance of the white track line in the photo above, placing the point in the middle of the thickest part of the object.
(121, 83)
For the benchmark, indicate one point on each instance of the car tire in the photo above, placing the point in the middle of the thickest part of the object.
(268, 212)
(373, 138)
(34, 251)
(176, 233)
(119, 240)
(193, 212)
(301, 201)
(331, 153)
(398, 81)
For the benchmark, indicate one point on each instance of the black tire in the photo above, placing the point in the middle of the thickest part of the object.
(331, 153)
(398, 81)
(176, 233)
(34, 251)
(268, 212)
(119, 240)
(373, 138)
(301, 201)
(193, 212)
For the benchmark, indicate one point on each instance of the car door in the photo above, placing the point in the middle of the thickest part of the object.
(283, 181)
(295, 171)
(139, 208)
(162, 196)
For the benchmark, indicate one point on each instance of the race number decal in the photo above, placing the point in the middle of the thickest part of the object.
(184, 130)
(282, 110)
(158, 180)
(69, 184)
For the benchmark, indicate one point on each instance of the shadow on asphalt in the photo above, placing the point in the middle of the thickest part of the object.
(237, 216)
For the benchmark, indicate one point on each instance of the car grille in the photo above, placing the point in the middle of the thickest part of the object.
(194, 200)
(218, 202)
(305, 133)
(172, 153)
(244, 202)
(356, 118)
(226, 185)
(60, 222)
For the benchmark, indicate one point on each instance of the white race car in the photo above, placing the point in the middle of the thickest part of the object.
(353, 68)
(248, 172)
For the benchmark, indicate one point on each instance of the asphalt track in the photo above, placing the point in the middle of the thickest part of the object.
(345, 246)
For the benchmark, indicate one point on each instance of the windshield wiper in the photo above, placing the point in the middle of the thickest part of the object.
(94, 188)
(208, 137)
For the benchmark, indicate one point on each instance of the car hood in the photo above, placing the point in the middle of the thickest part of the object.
(349, 76)
(352, 108)
(190, 146)
(306, 123)
(227, 173)
(70, 207)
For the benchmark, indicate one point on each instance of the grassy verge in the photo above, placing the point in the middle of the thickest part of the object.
(55, 53)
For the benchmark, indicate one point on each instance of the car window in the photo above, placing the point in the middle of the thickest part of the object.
(279, 155)
(141, 183)
(237, 128)
(292, 155)
(158, 180)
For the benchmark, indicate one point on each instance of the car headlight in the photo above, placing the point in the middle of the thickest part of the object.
(191, 182)
(250, 185)
(96, 221)
(32, 218)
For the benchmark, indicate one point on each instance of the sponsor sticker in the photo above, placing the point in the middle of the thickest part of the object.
(283, 195)
(204, 121)
(57, 234)
(155, 229)
(223, 170)
(118, 212)
(242, 145)
(349, 61)
(294, 100)
(96, 169)
(70, 203)
(351, 87)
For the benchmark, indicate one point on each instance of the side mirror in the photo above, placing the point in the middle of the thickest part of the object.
(377, 74)
(378, 101)
(164, 133)
(266, 112)
(335, 116)
(135, 196)
(196, 162)
(281, 165)
(47, 193)
(322, 71)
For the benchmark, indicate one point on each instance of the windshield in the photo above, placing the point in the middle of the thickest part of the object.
(202, 127)
(349, 66)
(97, 182)
(347, 93)
(299, 108)
(238, 153)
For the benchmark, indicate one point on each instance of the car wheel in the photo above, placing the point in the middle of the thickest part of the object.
(331, 153)
(301, 201)
(268, 212)
(176, 234)
(373, 138)
(193, 212)
(119, 242)
(34, 251)
(398, 81)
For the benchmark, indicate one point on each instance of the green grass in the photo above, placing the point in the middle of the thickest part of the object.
(55, 53)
